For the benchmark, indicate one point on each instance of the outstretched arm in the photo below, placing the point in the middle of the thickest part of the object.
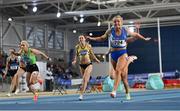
(75, 56)
(137, 35)
(74, 60)
(131, 39)
(37, 52)
(100, 38)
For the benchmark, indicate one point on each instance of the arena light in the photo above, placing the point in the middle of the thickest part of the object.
(34, 9)
(25, 6)
(74, 31)
(90, 34)
(131, 22)
(81, 20)
(113, 1)
(105, 2)
(81, 15)
(99, 23)
(103, 56)
(10, 19)
(75, 18)
(58, 14)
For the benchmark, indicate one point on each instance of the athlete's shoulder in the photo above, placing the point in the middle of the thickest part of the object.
(125, 27)
(108, 31)
(89, 45)
(31, 49)
(112, 28)
(8, 58)
(77, 46)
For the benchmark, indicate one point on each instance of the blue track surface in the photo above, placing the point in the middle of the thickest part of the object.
(144, 100)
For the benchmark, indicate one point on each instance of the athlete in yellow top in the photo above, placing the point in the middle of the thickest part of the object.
(85, 55)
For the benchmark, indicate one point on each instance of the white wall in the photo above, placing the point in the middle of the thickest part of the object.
(100, 50)
(102, 68)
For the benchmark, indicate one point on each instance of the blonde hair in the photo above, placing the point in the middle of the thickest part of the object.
(117, 16)
(81, 35)
(25, 42)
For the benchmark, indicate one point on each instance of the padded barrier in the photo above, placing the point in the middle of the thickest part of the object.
(154, 82)
(109, 83)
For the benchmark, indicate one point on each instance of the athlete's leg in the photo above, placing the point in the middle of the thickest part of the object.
(32, 81)
(28, 75)
(118, 71)
(112, 72)
(124, 75)
(86, 76)
(15, 80)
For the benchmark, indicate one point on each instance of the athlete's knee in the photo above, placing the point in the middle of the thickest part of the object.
(29, 85)
(112, 76)
(16, 78)
(121, 67)
(124, 79)
(34, 73)
(118, 72)
(86, 79)
(124, 71)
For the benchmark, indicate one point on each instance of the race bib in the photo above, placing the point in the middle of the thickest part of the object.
(119, 43)
(83, 52)
(14, 67)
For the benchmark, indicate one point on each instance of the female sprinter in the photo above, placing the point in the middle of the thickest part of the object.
(118, 40)
(84, 53)
(28, 56)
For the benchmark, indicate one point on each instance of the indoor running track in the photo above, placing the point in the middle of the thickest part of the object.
(141, 100)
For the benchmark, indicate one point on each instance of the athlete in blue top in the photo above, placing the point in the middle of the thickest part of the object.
(119, 58)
